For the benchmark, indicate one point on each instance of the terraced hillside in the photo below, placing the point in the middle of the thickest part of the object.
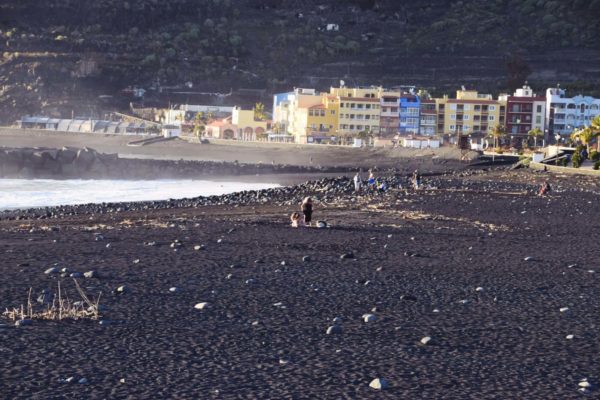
(77, 56)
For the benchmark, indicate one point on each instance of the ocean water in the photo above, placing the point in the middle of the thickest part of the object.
(27, 193)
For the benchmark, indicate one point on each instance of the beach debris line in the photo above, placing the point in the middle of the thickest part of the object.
(61, 307)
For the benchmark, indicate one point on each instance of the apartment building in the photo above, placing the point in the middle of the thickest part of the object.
(428, 117)
(565, 114)
(389, 118)
(410, 108)
(524, 112)
(469, 112)
(322, 121)
(288, 116)
(359, 110)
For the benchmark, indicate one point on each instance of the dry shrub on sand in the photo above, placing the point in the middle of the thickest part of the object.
(60, 308)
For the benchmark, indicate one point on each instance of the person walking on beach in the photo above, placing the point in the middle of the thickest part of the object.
(416, 180)
(357, 182)
(307, 209)
(371, 181)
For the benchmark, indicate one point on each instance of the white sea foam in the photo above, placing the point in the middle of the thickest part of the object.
(26, 193)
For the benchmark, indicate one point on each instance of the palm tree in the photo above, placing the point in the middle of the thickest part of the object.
(585, 136)
(535, 133)
(199, 127)
(497, 132)
(259, 112)
(596, 129)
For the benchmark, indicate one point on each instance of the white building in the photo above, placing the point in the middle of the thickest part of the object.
(417, 142)
(565, 114)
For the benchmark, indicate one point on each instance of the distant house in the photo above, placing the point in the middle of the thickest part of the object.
(221, 129)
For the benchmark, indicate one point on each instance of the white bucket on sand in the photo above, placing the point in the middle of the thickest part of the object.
(321, 224)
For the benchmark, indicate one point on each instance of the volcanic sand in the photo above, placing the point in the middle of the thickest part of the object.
(264, 332)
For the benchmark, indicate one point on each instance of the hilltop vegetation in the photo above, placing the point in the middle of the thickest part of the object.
(56, 51)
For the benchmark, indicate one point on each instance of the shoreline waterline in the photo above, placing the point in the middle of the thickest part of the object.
(32, 193)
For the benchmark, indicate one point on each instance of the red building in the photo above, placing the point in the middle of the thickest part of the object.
(524, 112)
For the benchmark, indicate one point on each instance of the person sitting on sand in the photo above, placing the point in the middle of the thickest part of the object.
(307, 209)
(545, 188)
(382, 187)
(295, 219)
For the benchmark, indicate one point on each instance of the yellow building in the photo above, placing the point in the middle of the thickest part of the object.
(469, 112)
(360, 110)
(247, 126)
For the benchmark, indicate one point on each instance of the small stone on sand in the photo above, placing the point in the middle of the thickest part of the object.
(425, 340)
(201, 306)
(52, 270)
(369, 318)
(334, 330)
(379, 384)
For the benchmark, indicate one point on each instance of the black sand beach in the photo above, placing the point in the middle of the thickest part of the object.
(445, 263)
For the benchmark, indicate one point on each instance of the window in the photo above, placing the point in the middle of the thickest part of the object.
(467, 107)
(367, 116)
(452, 127)
(492, 108)
(491, 118)
(322, 113)
(466, 117)
(394, 109)
(313, 126)
(352, 105)
(342, 105)
(359, 127)
(538, 119)
(351, 127)
(359, 106)
(368, 106)
(452, 116)
(539, 108)
(332, 112)
(453, 107)
(310, 112)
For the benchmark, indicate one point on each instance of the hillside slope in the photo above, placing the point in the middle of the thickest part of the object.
(59, 56)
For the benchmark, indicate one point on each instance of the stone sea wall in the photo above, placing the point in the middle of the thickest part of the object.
(86, 163)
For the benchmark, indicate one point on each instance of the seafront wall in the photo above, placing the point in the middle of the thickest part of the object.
(86, 163)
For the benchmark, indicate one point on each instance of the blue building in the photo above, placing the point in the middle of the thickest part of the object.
(409, 106)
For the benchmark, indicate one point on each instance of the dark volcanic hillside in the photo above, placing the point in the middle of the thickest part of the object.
(61, 55)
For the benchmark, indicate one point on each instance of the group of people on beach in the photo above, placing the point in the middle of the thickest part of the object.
(380, 185)
(373, 185)
(306, 218)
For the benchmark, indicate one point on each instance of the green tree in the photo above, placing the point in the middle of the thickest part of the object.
(535, 133)
(199, 126)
